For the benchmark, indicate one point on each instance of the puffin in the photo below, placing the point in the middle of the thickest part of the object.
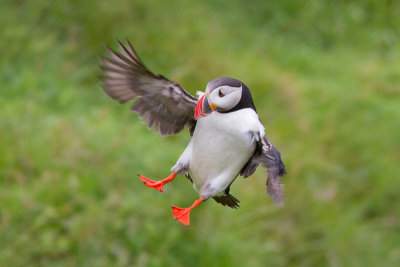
(227, 136)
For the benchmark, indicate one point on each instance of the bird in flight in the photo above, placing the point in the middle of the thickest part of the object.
(228, 138)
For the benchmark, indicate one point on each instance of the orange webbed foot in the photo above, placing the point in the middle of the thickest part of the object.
(183, 214)
(158, 185)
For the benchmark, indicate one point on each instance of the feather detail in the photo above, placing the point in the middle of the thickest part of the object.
(163, 104)
(227, 200)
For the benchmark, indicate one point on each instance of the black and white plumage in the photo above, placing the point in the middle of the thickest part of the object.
(228, 138)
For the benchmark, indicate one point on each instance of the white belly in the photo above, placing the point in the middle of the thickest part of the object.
(222, 144)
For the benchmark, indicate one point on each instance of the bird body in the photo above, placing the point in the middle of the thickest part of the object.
(221, 145)
(228, 138)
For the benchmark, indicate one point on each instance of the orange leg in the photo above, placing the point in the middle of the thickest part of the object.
(158, 185)
(182, 215)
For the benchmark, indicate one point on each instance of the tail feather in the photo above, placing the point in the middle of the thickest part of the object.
(227, 200)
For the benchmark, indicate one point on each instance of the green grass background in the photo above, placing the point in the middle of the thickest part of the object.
(325, 79)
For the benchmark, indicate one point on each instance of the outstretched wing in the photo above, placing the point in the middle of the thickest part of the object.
(267, 154)
(162, 103)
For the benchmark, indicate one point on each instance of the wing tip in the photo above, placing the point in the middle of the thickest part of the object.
(275, 190)
(124, 77)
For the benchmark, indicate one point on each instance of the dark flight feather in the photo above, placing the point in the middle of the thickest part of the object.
(163, 104)
(267, 154)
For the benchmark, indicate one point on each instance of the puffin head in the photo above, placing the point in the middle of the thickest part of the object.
(224, 94)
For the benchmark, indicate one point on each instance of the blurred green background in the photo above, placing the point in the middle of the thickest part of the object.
(325, 78)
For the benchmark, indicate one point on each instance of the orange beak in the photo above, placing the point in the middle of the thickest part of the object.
(202, 108)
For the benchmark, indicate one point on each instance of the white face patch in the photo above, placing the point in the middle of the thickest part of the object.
(225, 97)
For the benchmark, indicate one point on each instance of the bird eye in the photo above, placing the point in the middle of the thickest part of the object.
(220, 93)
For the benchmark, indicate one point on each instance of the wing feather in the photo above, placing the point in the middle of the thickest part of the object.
(163, 104)
(267, 154)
